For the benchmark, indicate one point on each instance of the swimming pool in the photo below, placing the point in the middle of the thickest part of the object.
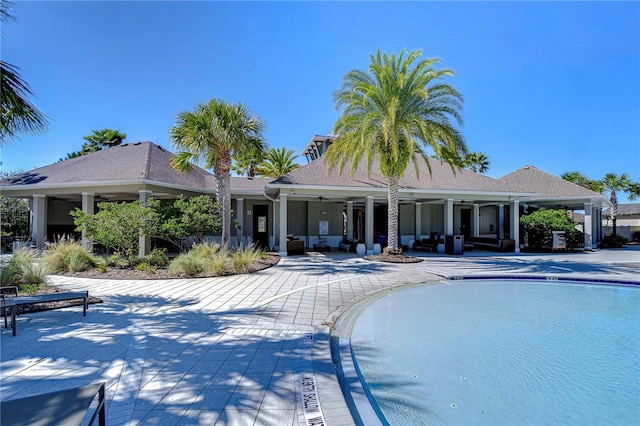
(502, 352)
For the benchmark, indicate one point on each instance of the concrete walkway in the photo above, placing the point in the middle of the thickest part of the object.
(245, 349)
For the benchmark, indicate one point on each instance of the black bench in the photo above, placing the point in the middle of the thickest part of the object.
(67, 407)
(492, 244)
(427, 244)
(17, 302)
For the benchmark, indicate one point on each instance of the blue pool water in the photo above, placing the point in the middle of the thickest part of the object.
(502, 352)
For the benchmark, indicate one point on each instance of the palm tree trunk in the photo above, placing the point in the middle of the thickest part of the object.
(223, 179)
(392, 216)
(614, 210)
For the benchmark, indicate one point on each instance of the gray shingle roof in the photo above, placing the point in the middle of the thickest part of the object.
(441, 178)
(546, 185)
(132, 161)
(239, 183)
(628, 209)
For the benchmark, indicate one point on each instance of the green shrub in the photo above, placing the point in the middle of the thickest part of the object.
(145, 267)
(187, 264)
(66, 255)
(205, 250)
(539, 227)
(34, 274)
(23, 269)
(158, 257)
(116, 261)
(5, 272)
(101, 267)
(77, 262)
(133, 261)
(217, 264)
(613, 241)
(29, 288)
(241, 260)
(210, 259)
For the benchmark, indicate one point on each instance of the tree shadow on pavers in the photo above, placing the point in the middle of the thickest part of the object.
(507, 265)
(321, 265)
(161, 359)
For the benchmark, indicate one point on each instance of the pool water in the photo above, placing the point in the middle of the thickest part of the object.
(502, 352)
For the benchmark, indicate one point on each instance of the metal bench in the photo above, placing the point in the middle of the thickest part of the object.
(68, 407)
(16, 302)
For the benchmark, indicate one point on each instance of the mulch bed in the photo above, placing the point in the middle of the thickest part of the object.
(393, 258)
(270, 259)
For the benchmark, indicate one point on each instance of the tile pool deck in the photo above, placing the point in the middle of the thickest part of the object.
(245, 349)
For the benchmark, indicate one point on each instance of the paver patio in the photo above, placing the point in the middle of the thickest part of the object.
(244, 349)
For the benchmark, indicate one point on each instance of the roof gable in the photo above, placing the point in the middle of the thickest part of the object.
(546, 185)
(128, 162)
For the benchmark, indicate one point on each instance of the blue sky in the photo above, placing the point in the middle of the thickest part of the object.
(551, 84)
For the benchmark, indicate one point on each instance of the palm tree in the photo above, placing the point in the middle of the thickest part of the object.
(102, 139)
(212, 135)
(634, 191)
(97, 141)
(390, 114)
(17, 114)
(278, 162)
(245, 163)
(613, 183)
(476, 162)
(580, 179)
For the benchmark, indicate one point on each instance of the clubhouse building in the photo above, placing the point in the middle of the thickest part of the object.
(311, 207)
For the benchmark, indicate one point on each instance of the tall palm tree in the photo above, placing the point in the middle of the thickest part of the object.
(634, 191)
(17, 114)
(211, 135)
(277, 162)
(391, 113)
(102, 139)
(97, 141)
(476, 162)
(580, 179)
(613, 183)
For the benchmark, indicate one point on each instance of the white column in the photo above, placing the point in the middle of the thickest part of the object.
(594, 226)
(38, 220)
(350, 220)
(283, 225)
(240, 219)
(476, 220)
(144, 242)
(599, 228)
(514, 208)
(418, 221)
(88, 208)
(588, 226)
(448, 216)
(368, 234)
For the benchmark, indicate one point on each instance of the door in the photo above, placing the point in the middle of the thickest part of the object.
(465, 222)
(261, 226)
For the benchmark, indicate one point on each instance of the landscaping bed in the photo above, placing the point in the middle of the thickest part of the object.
(268, 260)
